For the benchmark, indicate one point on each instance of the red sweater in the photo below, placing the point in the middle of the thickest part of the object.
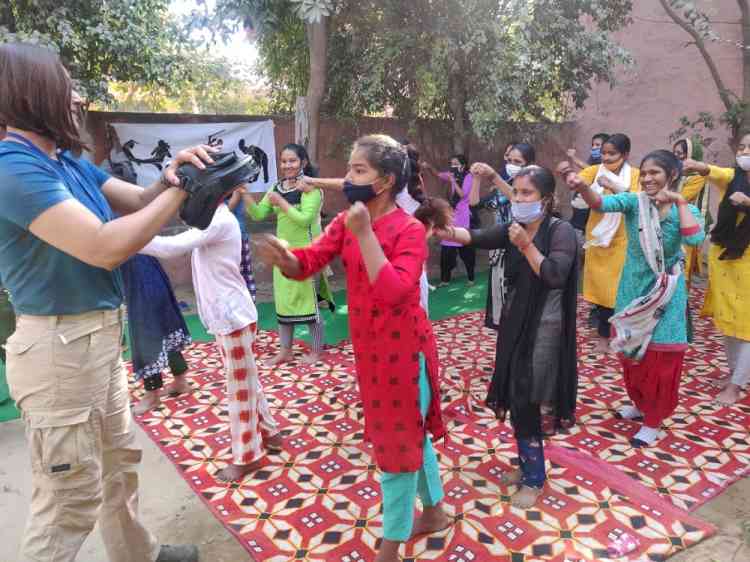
(389, 329)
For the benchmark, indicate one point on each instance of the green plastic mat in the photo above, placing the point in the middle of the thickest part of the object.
(457, 298)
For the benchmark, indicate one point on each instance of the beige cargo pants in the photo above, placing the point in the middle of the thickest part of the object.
(67, 377)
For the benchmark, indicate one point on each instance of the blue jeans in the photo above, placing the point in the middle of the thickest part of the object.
(531, 455)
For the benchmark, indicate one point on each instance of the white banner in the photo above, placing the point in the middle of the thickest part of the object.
(149, 146)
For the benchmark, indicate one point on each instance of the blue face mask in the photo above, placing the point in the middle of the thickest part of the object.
(363, 193)
(525, 213)
(596, 153)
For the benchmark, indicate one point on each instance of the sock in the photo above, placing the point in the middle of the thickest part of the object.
(647, 434)
(629, 412)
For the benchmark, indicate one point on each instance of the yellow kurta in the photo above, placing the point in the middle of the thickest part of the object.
(728, 297)
(603, 266)
(691, 189)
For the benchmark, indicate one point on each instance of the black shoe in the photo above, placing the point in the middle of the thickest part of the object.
(178, 553)
(209, 187)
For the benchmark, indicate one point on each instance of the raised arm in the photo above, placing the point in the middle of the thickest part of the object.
(391, 279)
(173, 246)
(128, 198)
(315, 257)
(476, 183)
(308, 212)
(486, 171)
(575, 161)
(579, 184)
(491, 238)
(258, 211)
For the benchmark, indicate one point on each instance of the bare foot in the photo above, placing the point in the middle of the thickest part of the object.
(388, 551)
(511, 477)
(149, 401)
(729, 395)
(275, 443)
(525, 497)
(311, 358)
(601, 346)
(236, 472)
(432, 520)
(283, 356)
(179, 386)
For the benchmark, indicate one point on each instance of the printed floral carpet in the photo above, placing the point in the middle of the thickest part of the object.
(319, 499)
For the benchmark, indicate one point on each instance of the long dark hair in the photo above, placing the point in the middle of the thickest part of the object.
(668, 162)
(36, 95)
(621, 142)
(527, 151)
(414, 183)
(301, 152)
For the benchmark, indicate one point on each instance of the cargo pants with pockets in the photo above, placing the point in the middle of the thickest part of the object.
(67, 377)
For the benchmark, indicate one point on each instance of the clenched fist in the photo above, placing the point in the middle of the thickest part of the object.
(358, 219)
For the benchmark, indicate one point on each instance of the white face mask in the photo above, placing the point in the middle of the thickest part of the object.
(743, 161)
(527, 212)
(513, 169)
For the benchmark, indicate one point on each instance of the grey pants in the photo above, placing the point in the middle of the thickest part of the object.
(286, 334)
(738, 356)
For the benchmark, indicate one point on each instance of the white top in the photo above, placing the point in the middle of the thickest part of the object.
(406, 201)
(224, 302)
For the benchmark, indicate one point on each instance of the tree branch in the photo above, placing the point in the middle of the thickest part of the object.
(744, 9)
(724, 93)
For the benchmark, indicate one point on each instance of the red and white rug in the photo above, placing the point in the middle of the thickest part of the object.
(319, 499)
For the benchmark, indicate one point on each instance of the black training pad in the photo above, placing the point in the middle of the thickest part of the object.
(208, 188)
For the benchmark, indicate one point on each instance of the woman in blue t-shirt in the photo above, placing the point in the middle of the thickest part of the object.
(60, 248)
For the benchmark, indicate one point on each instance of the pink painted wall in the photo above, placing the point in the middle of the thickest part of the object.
(669, 80)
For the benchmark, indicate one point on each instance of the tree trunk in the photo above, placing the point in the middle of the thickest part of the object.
(7, 19)
(317, 42)
(301, 122)
(457, 103)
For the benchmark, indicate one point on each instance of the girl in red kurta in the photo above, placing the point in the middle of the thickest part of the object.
(383, 250)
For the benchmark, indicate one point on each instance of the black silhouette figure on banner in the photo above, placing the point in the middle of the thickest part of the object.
(215, 141)
(158, 154)
(123, 169)
(261, 158)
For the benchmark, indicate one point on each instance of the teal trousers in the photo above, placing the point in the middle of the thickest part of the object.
(400, 489)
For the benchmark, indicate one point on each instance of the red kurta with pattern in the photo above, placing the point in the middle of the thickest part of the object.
(389, 329)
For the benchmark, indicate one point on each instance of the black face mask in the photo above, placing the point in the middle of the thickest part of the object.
(363, 193)
(456, 170)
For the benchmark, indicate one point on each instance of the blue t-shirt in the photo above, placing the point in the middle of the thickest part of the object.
(42, 279)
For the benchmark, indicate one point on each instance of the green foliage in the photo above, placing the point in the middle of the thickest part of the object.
(217, 92)
(105, 40)
(737, 112)
(489, 61)
(700, 130)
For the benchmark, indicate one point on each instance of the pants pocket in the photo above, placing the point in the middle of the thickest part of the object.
(63, 446)
(72, 346)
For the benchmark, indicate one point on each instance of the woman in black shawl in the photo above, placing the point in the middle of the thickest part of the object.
(535, 377)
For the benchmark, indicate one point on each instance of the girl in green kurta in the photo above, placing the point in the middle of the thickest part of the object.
(298, 223)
